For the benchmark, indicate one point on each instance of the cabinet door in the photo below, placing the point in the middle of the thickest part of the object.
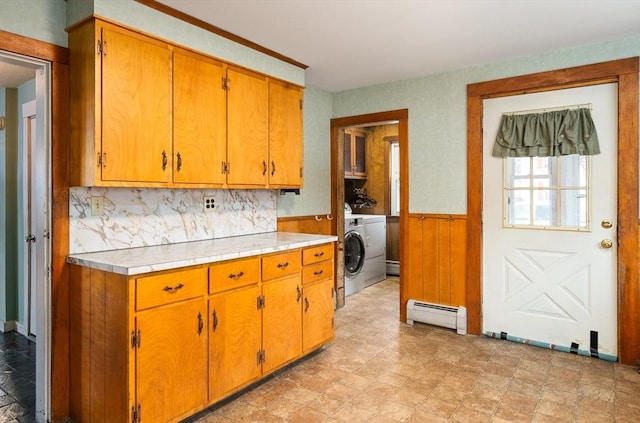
(136, 108)
(359, 154)
(171, 371)
(248, 134)
(317, 326)
(285, 135)
(348, 163)
(200, 119)
(234, 340)
(281, 322)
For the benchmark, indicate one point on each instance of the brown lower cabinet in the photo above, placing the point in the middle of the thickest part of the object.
(160, 347)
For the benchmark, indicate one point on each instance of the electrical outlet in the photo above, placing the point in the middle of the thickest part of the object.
(97, 206)
(209, 203)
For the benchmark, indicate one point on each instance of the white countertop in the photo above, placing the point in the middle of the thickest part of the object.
(134, 261)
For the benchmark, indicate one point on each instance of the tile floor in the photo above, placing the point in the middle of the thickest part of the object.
(381, 370)
(17, 378)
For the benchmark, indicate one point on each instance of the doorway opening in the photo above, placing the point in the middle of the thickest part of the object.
(362, 188)
(25, 189)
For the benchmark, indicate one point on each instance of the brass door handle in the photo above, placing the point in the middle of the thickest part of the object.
(173, 289)
(606, 243)
(200, 323)
(607, 224)
(164, 160)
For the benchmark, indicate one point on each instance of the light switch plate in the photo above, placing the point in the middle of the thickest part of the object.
(97, 206)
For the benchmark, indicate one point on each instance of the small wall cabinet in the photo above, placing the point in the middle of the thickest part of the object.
(355, 154)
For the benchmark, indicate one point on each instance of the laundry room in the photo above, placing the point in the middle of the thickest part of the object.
(372, 204)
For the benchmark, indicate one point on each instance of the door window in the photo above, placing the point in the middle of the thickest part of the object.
(547, 192)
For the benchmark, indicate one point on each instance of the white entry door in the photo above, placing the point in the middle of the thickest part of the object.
(546, 284)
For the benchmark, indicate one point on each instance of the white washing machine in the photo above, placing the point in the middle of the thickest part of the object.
(354, 254)
(375, 258)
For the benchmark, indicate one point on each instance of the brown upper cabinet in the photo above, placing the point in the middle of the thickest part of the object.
(121, 107)
(199, 119)
(147, 113)
(355, 154)
(285, 133)
(248, 137)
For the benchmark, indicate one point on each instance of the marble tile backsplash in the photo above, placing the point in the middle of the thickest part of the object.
(135, 217)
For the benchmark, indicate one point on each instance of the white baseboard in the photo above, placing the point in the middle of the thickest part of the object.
(393, 267)
(21, 328)
(8, 326)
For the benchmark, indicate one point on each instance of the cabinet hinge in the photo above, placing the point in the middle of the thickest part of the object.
(332, 323)
(301, 173)
(226, 168)
(225, 83)
(260, 357)
(135, 339)
(136, 413)
(301, 104)
(260, 302)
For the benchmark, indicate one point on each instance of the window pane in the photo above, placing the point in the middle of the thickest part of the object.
(395, 179)
(573, 206)
(541, 165)
(544, 208)
(518, 171)
(519, 207)
(573, 171)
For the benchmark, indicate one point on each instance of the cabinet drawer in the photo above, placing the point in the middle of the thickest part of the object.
(316, 254)
(233, 274)
(317, 271)
(280, 265)
(167, 288)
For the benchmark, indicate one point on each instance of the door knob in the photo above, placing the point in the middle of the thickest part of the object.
(606, 243)
(30, 238)
(607, 224)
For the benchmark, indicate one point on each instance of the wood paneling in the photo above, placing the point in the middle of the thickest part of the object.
(59, 58)
(625, 73)
(435, 266)
(319, 224)
(97, 375)
(393, 238)
(377, 183)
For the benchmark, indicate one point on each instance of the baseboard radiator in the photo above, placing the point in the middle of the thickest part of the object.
(438, 315)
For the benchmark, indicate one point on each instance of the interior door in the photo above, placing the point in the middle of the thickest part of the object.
(553, 287)
(30, 215)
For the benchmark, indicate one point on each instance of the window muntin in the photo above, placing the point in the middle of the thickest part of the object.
(547, 192)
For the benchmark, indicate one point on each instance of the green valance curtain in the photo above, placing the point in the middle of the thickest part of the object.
(553, 133)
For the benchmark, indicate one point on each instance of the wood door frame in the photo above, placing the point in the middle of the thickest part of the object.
(59, 319)
(625, 73)
(337, 180)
